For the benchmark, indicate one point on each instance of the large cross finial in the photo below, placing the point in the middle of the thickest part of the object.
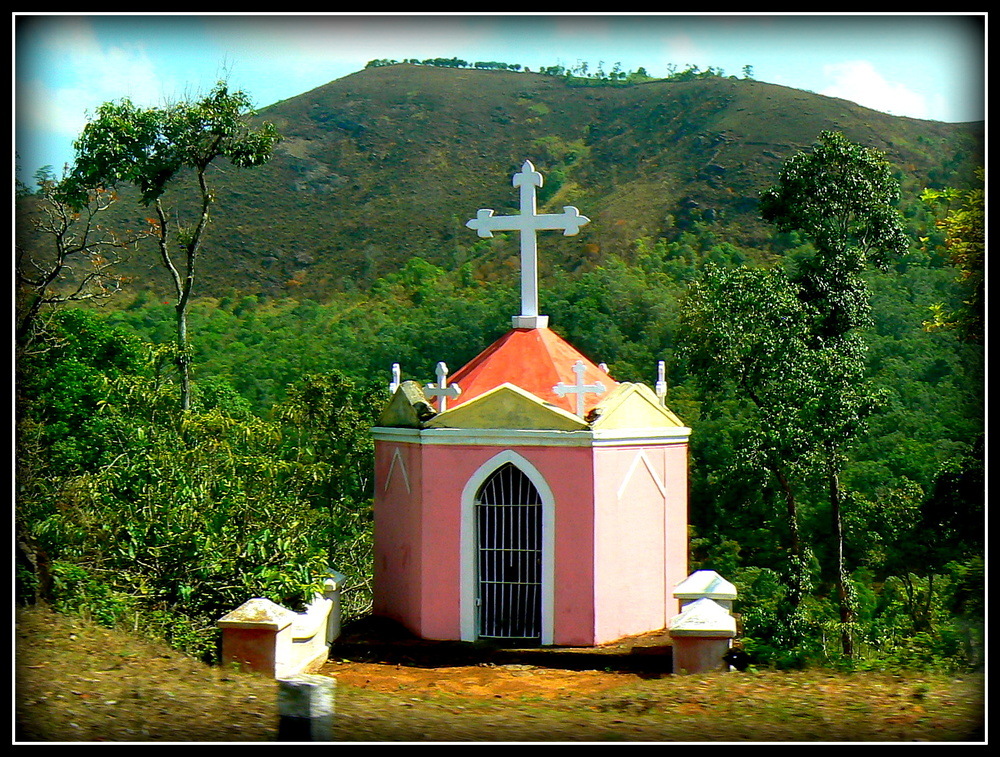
(441, 388)
(527, 223)
(579, 388)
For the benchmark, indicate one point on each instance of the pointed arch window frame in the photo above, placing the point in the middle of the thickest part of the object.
(469, 556)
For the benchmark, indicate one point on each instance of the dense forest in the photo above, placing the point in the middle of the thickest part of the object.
(139, 508)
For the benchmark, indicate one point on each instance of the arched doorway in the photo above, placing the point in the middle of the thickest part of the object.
(509, 552)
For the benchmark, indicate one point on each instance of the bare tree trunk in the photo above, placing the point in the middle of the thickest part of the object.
(795, 541)
(183, 357)
(26, 323)
(183, 287)
(76, 236)
(180, 309)
(843, 596)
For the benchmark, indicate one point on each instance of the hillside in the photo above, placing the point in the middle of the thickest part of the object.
(388, 163)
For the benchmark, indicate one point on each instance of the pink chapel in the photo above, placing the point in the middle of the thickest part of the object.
(529, 497)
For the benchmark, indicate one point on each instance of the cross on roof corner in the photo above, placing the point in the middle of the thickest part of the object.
(441, 388)
(579, 388)
(528, 222)
(661, 382)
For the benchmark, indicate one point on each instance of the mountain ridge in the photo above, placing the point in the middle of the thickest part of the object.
(388, 164)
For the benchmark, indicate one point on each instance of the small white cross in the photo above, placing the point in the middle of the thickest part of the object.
(441, 388)
(396, 379)
(661, 382)
(579, 389)
(527, 223)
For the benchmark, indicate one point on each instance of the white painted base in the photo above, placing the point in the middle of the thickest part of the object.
(530, 321)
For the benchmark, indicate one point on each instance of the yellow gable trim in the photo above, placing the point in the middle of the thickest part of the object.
(509, 407)
(633, 406)
(408, 407)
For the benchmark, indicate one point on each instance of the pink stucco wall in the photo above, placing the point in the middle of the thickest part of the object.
(569, 473)
(250, 649)
(641, 537)
(398, 533)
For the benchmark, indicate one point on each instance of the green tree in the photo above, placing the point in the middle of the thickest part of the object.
(745, 330)
(126, 511)
(331, 419)
(964, 223)
(951, 525)
(842, 198)
(151, 148)
(61, 384)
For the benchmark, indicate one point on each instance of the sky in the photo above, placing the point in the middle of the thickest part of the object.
(929, 66)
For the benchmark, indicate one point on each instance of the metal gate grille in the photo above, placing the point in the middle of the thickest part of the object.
(509, 533)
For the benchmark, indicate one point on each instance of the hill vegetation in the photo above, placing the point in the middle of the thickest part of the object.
(347, 252)
(389, 163)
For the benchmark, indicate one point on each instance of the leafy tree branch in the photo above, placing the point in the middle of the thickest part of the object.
(151, 148)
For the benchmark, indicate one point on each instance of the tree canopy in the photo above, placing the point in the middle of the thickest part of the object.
(150, 148)
(964, 222)
(842, 197)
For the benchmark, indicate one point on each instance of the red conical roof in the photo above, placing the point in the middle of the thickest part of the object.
(534, 360)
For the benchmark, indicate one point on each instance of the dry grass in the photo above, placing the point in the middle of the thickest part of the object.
(78, 682)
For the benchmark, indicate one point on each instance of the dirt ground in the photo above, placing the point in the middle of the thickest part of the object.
(78, 682)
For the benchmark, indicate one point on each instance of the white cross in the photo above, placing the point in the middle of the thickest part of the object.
(579, 389)
(396, 379)
(528, 222)
(441, 388)
(661, 382)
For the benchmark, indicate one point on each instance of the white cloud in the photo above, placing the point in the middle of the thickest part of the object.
(64, 74)
(860, 82)
(83, 75)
